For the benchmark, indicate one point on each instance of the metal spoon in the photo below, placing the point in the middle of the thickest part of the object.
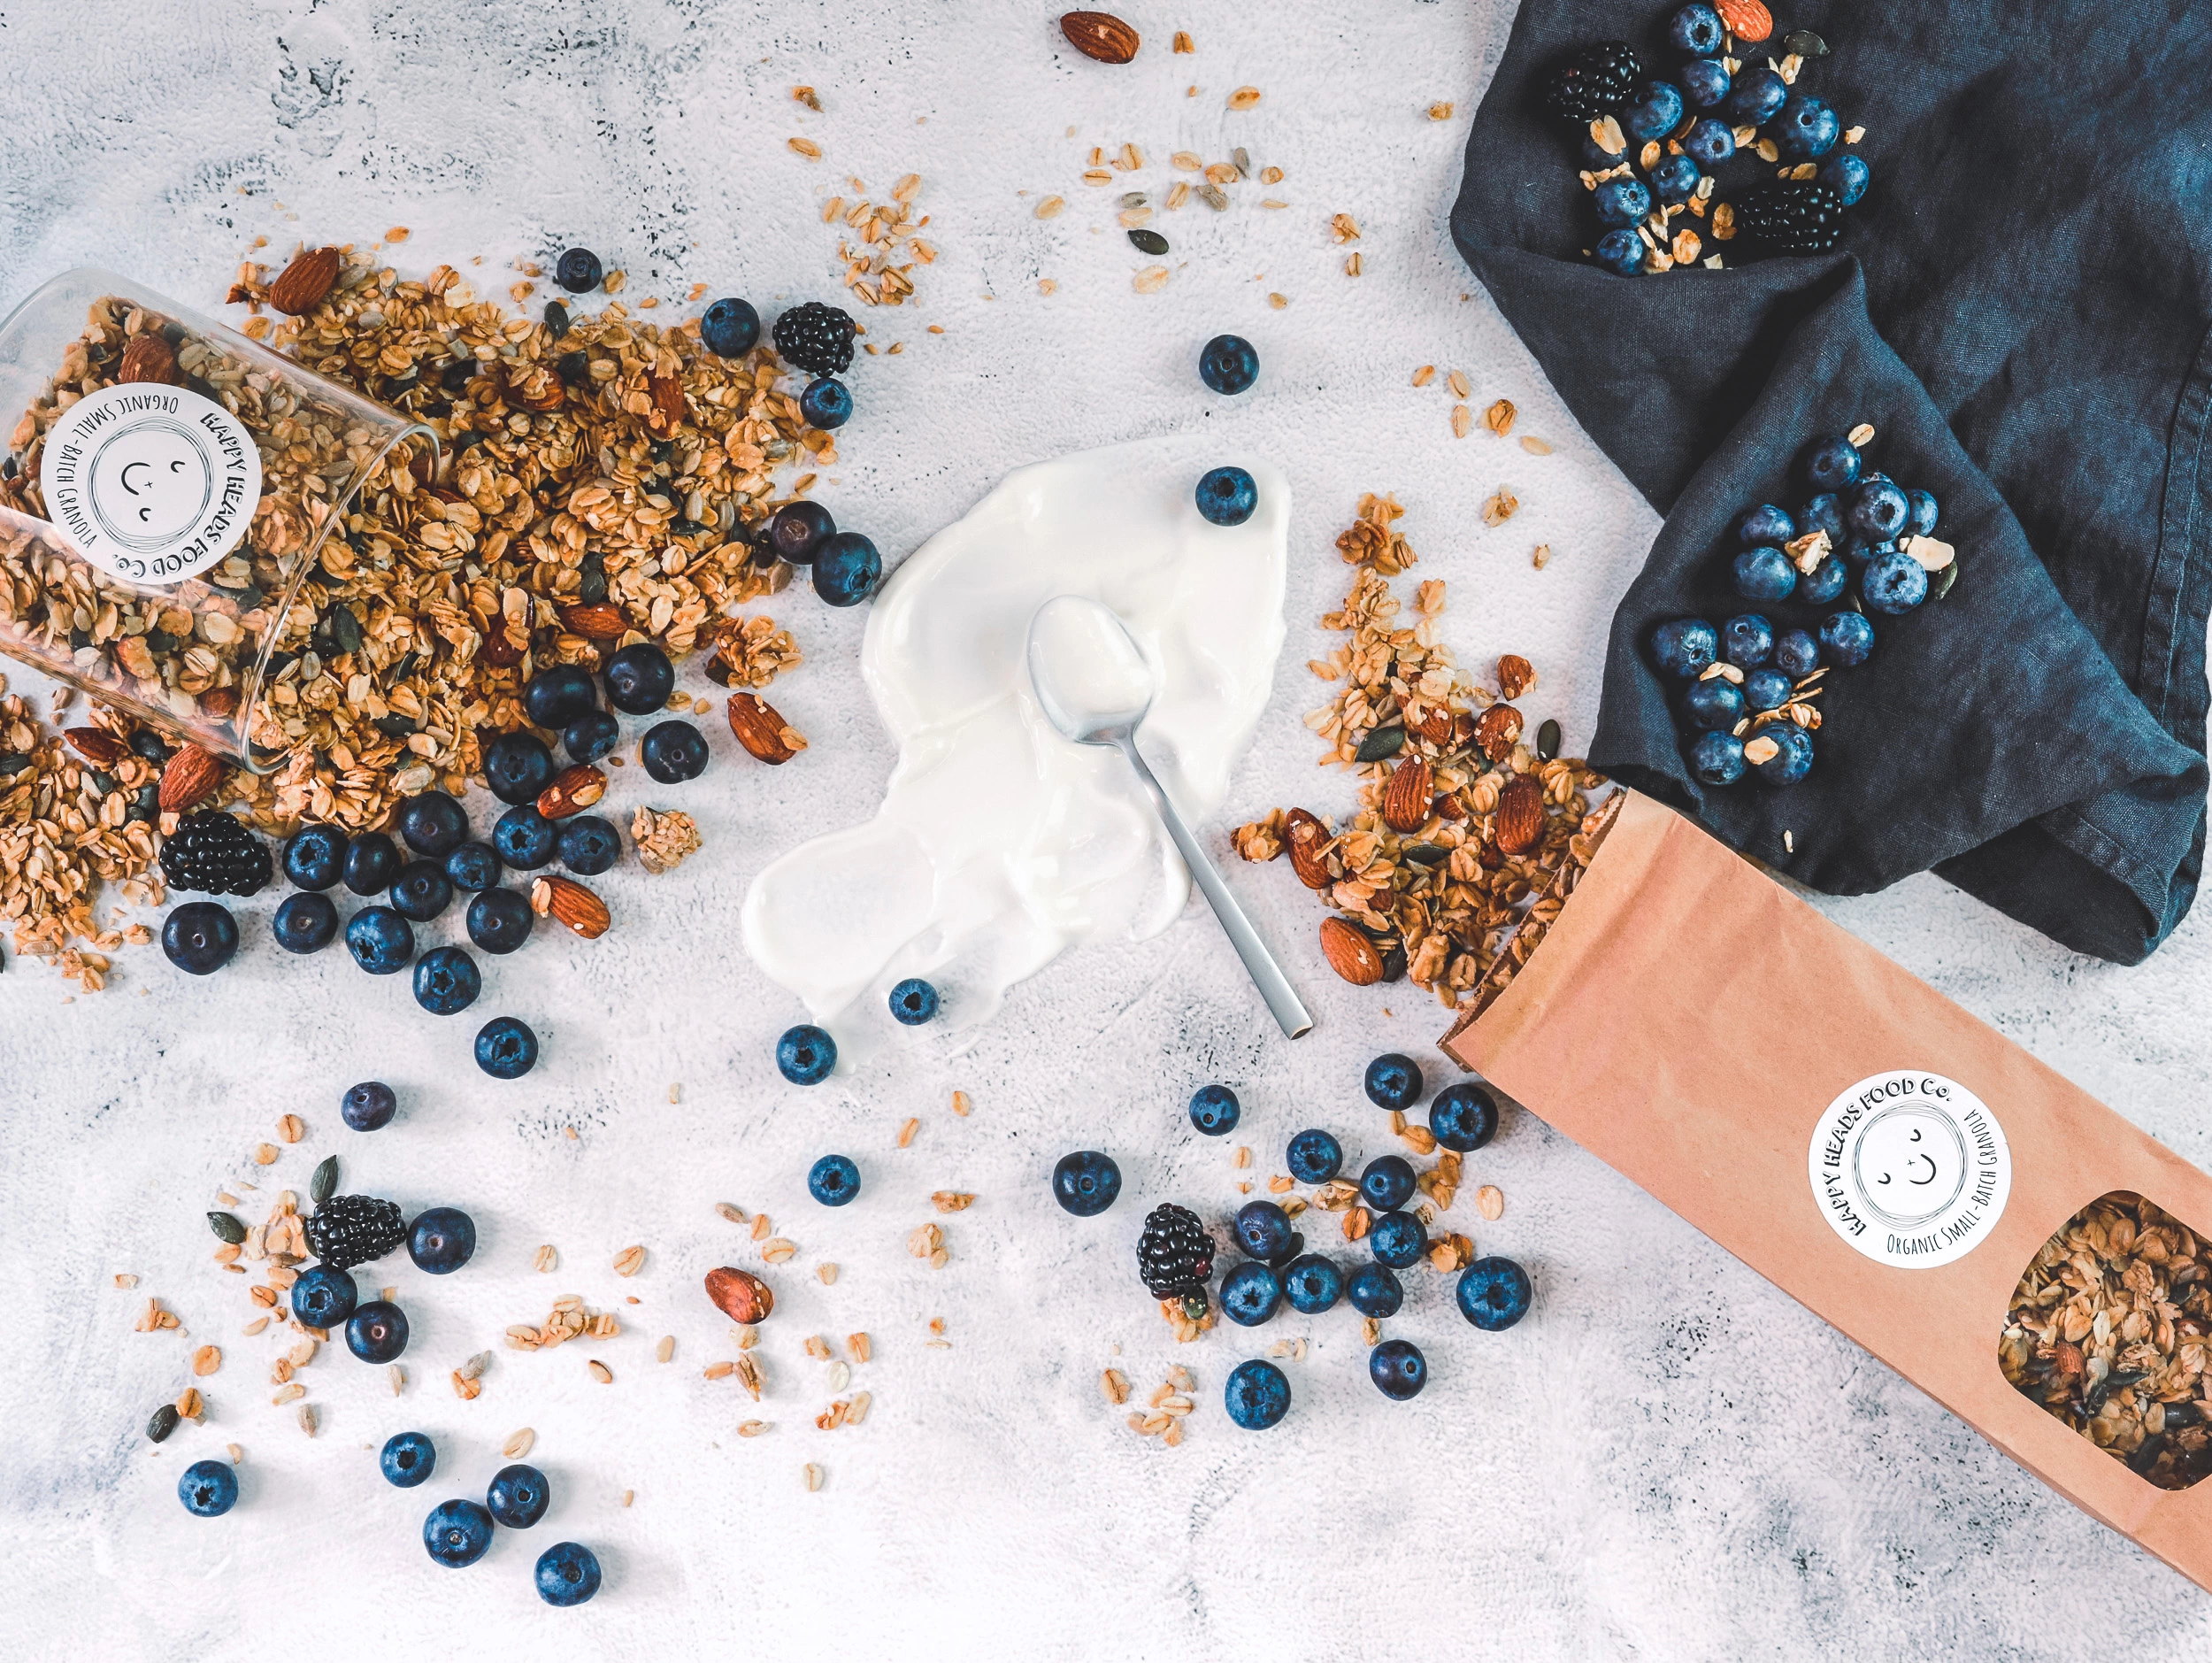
(1095, 687)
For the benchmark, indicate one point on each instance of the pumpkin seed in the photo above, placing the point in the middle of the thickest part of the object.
(1945, 578)
(162, 1422)
(1426, 854)
(324, 1184)
(1805, 43)
(1149, 241)
(1381, 744)
(1546, 741)
(226, 1227)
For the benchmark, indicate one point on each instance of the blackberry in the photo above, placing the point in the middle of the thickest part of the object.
(350, 1230)
(1800, 217)
(1175, 1255)
(1595, 80)
(816, 338)
(213, 851)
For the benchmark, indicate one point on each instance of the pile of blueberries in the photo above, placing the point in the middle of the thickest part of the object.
(1851, 541)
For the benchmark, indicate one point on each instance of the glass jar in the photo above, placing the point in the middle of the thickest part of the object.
(167, 485)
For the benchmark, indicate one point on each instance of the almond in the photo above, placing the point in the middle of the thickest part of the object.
(1519, 819)
(573, 790)
(595, 621)
(1405, 803)
(96, 745)
(188, 776)
(500, 649)
(300, 286)
(1746, 19)
(668, 401)
(1435, 725)
(220, 703)
(1102, 35)
(1516, 675)
(1304, 836)
(1498, 731)
(739, 1294)
(565, 901)
(150, 359)
(761, 731)
(1351, 952)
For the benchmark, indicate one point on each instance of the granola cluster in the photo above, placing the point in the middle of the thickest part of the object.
(2107, 1331)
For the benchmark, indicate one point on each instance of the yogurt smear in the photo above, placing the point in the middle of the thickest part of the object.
(999, 844)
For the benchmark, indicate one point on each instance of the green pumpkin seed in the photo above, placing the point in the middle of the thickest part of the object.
(1426, 854)
(1805, 43)
(1548, 741)
(1381, 744)
(162, 1422)
(226, 1227)
(1945, 578)
(1149, 241)
(324, 1183)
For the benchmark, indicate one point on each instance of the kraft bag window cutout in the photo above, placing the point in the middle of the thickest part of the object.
(2108, 1332)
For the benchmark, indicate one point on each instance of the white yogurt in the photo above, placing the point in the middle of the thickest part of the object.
(1001, 843)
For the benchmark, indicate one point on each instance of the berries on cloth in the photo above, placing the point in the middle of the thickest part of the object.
(1214, 1110)
(1684, 646)
(1621, 202)
(1228, 363)
(457, 1533)
(199, 938)
(1766, 690)
(1746, 640)
(1791, 217)
(833, 1180)
(1675, 179)
(913, 1001)
(1653, 111)
(1086, 1182)
(1894, 583)
(442, 1241)
(1227, 495)
(1494, 1293)
(408, 1459)
(214, 852)
(1792, 756)
(1829, 464)
(1763, 574)
(1175, 1255)
(1823, 583)
(1622, 252)
(1705, 82)
(1398, 1369)
(1846, 639)
(208, 1488)
(349, 1230)
(1595, 81)
(1757, 96)
(816, 338)
(1796, 653)
(1713, 703)
(1805, 129)
(1696, 30)
(1257, 1395)
(1716, 758)
(805, 1055)
(1847, 175)
(1764, 524)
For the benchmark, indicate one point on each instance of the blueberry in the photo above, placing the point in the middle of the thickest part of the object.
(368, 1106)
(1765, 524)
(1796, 653)
(1697, 30)
(377, 1332)
(1792, 759)
(1257, 1395)
(579, 271)
(729, 328)
(1314, 1157)
(1859, 550)
(1830, 464)
(499, 920)
(1398, 1369)
(1227, 495)
(305, 923)
(846, 569)
(1716, 758)
(1746, 640)
(1716, 705)
(674, 751)
(209, 1489)
(1375, 1291)
(806, 1055)
(568, 1572)
(506, 1048)
(826, 403)
(1494, 1293)
(913, 1001)
(639, 679)
(591, 736)
(1464, 1117)
(1684, 646)
(1214, 1110)
(1825, 513)
(409, 1458)
(446, 981)
(1263, 1230)
(1846, 174)
(1251, 1293)
(517, 766)
(589, 845)
(372, 862)
(518, 1496)
(1393, 1082)
(1893, 584)
(799, 530)
(324, 1296)
(1621, 251)
(1763, 574)
(1757, 95)
(1846, 639)
(1825, 581)
(199, 938)
(1767, 690)
(1621, 202)
(474, 866)
(557, 695)
(1396, 1239)
(458, 1533)
(315, 856)
(441, 1240)
(1925, 514)
(432, 824)
(1312, 1284)
(833, 1180)
(1086, 1182)
(1653, 111)
(421, 891)
(1805, 129)
(1705, 83)
(1675, 179)
(1227, 363)
(1386, 1182)
(1878, 511)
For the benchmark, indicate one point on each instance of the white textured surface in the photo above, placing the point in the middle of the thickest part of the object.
(1668, 1459)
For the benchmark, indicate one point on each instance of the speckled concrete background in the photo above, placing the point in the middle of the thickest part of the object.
(1669, 1459)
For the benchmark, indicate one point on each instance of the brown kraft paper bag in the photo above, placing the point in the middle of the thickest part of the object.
(1895, 1170)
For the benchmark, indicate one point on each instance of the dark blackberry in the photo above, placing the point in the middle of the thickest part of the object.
(213, 851)
(1595, 80)
(816, 338)
(1800, 217)
(1175, 1255)
(350, 1230)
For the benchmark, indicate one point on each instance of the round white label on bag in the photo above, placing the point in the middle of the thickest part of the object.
(1910, 1168)
(151, 482)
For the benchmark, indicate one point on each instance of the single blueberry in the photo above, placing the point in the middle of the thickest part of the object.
(1763, 574)
(826, 404)
(1386, 1182)
(1086, 1182)
(209, 1489)
(1314, 1157)
(517, 766)
(1858, 550)
(1825, 581)
(1398, 1369)
(1755, 96)
(1228, 363)
(324, 1296)
(674, 751)
(1375, 1291)
(199, 938)
(577, 271)
(1705, 82)
(639, 679)
(1796, 653)
(1709, 143)
(1396, 1239)
(1767, 690)
(913, 1001)
(1847, 175)
(1684, 646)
(1793, 758)
(1227, 495)
(1621, 251)
(1830, 463)
(833, 1180)
(1494, 1293)
(380, 941)
(1893, 584)
(1846, 639)
(557, 695)
(1312, 1284)
(474, 866)
(506, 1048)
(1465, 1117)
(315, 856)
(805, 1055)
(409, 1458)
(1805, 129)
(1765, 524)
(457, 1533)
(1251, 1293)
(730, 327)
(441, 1240)
(1675, 178)
(368, 1106)
(1825, 513)
(1925, 514)
(1715, 703)
(446, 981)
(305, 923)
(1257, 1395)
(1263, 1230)
(372, 862)
(1716, 758)
(432, 824)
(1393, 1082)
(422, 890)
(1746, 640)
(846, 569)
(798, 530)
(518, 1496)
(1878, 511)
(1214, 1110)
(1697, 30)
(1621, 202)
(589, 845)
(568, 1572)
(591, 735)
(500, 921)
(1655, 110)
(377, 1332)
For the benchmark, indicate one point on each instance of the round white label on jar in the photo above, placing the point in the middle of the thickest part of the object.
(151, 482)
(1910, 1168)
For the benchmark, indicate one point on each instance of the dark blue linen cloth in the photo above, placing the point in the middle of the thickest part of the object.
(2019, 306)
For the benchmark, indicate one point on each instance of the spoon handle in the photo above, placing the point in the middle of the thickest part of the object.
(1266, 974)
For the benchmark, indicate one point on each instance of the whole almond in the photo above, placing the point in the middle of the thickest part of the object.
(1351, 952)
(1746, 19)
(1516, 675)
(1305, 836)
(220, 703)
(1519, 819)
(595, 621)
(300, 286)
(573, 790)
(761, 731)
(1405, 803)
(1497, 731)
(1435, 725)
(96, 745)
(739, 1294)
(187, 778)
(1100, 35)
(567, 902)
(148, 357)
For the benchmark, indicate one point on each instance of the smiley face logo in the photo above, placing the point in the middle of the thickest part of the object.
(149, 483)
(1910, 1165)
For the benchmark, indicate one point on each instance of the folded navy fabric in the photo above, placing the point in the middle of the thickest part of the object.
(2019, 306)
